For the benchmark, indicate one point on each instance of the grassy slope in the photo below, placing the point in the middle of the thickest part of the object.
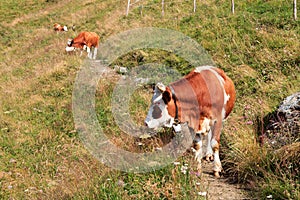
(40, 153)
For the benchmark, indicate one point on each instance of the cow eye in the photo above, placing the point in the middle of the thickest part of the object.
(156, 112)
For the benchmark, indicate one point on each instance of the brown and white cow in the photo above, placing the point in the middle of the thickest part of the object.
(58, 27)
(85, 41)
(203, 98)
(75, 47)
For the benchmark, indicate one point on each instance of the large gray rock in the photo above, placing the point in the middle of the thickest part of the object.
(290, 108)
(284, 124)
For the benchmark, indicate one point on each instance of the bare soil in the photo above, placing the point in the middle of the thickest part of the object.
(221, 188)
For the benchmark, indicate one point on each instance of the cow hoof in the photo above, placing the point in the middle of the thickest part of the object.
(216, 174)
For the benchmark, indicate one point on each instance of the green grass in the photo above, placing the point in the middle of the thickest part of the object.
(41, 155)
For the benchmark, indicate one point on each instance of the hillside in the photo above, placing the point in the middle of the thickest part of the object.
(41, 153)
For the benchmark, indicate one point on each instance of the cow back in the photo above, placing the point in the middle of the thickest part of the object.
(203, 93)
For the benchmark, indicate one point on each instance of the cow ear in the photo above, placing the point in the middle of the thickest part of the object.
(161, 87)
(166, 96)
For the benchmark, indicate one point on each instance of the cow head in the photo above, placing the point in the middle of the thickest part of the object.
(163, 108)
(69, 46)
(70, 42)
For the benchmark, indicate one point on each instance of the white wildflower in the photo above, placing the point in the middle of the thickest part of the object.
(176, 163)
(184, 169)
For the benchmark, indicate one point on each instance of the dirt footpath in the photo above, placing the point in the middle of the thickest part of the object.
(220, 188)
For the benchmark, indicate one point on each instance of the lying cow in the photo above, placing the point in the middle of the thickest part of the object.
(58, 27)
(203, 98)
(85, 41)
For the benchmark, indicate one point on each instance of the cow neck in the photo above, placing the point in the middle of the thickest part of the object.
(176, 120)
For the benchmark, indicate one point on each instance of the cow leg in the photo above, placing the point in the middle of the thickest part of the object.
(215, 144)
(88, 50)
(197, 149)
(95, 53)
(205, 130)
(209, 151)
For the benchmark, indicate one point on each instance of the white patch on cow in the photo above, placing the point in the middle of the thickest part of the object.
(165, 119)
(205, 126)
(65, 28)
(161, 87)
(68, 49)
(223, 112)
(205, 138)
(217, 161)
(69, 42)
(226, 98)
(88, 49)
(214, 143)
(209, 151)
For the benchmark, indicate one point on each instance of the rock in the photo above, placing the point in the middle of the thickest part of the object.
(290, 104)
(284, 124)
(121, 70)
(290, 108)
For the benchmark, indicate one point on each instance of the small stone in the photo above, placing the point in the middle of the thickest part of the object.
(203, 194)
(140, 144)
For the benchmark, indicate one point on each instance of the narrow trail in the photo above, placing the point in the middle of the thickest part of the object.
(220, 188)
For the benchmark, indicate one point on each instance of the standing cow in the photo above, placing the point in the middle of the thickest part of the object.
(203, 98)
(85, 41)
